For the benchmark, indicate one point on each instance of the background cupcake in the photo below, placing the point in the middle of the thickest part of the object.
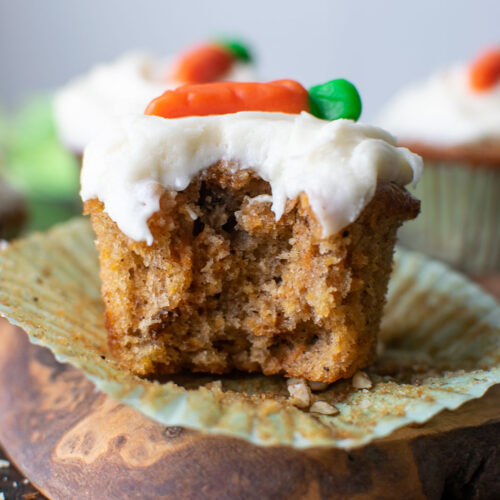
(92, 102)
(12, 212)
(42, 143)
(453, 121)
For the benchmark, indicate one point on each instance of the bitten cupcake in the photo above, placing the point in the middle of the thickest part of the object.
(453, 121)
(247, 226)
(92, 102)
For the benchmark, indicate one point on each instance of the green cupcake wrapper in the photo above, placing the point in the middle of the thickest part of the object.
(460, 218)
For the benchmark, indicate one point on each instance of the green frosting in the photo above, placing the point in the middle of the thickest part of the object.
(335, 99)
(237, 48)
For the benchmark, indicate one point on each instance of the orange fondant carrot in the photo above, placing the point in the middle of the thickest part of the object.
(202, 64)
(485, 70)
(219, 98)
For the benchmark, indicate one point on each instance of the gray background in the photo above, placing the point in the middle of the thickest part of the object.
(378, 44)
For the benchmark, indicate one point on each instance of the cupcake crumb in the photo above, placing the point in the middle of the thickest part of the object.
(361, 381)
(324, 408)
(300, 392)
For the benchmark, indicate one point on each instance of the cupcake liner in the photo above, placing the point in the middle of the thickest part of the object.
(440, 347)
(460, 218)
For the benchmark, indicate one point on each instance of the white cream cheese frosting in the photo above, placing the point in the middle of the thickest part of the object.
(336, 164)
(444, 110)
(92, 102)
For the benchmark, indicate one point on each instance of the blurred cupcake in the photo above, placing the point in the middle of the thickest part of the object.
(37, 166)
(92, 102)
(12, 203)
(453, 121)
(12, 211)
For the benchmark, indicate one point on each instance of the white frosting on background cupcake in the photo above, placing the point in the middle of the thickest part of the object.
(92, 102)
(337, 164)
(444, 110)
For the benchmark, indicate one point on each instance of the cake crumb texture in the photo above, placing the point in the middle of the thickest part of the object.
(225, 286)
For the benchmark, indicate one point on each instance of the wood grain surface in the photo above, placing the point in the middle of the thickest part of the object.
(75, 442)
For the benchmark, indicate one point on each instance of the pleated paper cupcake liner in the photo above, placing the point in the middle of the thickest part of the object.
(460, 218)
(440, 348)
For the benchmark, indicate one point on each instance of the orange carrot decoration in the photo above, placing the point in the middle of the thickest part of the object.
(220, 98)
(485, 70)
(202, 64)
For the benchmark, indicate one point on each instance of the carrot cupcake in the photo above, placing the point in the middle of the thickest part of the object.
(238, 231)
(453, 121)
(92, 101)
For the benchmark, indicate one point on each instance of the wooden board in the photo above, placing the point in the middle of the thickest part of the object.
(74, 442)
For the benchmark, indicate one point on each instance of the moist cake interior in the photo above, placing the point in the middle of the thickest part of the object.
(225, 286)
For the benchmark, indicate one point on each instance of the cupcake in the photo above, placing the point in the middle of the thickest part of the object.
(93, 101)
(453, 121)
(12, 203)
(238, 231)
